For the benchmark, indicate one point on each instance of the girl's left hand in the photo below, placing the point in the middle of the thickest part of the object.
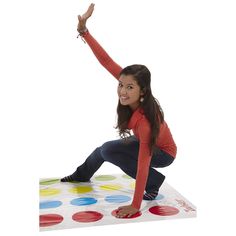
(126, 211)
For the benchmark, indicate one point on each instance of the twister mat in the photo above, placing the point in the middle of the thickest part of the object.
(77, 204)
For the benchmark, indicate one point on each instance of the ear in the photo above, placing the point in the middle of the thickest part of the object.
(143, 91)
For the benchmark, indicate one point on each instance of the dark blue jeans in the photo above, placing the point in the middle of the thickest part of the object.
(124, 154)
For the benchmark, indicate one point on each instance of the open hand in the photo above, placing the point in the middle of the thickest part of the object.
(82, 19)
(126, 211)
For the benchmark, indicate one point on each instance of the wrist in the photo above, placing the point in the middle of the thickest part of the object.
(82, 31)
(135, 206)
(82, 34)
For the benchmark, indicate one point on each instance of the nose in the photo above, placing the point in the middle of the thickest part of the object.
(123, 91)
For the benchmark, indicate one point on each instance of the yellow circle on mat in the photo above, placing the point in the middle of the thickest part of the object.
(110, 187)
(81, 189)
(49, 191)
(132, 185)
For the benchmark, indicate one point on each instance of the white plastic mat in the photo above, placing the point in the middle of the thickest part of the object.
(74, 205)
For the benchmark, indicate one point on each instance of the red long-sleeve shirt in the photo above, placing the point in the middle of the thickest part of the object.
(138, 124)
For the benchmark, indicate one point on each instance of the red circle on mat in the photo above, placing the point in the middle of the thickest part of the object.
(87, 216)
(133, 216)
(49, 220)
(164, 210)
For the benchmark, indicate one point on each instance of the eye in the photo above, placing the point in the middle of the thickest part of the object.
(129, 87)
(120, 85)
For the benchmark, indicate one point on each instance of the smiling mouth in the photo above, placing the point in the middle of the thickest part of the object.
(124, 98)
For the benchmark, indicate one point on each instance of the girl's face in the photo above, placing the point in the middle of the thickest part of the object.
(129, 91)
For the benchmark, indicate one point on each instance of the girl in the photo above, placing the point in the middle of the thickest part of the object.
(152, 144)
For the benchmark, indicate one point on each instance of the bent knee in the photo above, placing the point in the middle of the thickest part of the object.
(109, 148)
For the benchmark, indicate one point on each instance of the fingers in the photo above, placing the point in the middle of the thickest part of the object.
(91, 8)
(122, 213)
(119, 213)
(89, 12)
(81, 24)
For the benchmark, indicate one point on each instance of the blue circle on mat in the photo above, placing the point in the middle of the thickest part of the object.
(49, 204)
(117, 198)
(159, 197)
(83, 201)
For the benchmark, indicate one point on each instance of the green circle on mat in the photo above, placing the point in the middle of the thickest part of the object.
(81, 189)
(49, 181)
(105, 177)
(126, 177)
(49, 192)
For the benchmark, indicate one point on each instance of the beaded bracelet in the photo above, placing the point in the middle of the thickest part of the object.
(81, 34)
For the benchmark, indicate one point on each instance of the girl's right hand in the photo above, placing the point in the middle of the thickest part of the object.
(82, 19)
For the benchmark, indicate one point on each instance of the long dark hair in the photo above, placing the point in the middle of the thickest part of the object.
(150, 105)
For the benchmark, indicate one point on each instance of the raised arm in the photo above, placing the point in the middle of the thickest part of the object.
(96, 48)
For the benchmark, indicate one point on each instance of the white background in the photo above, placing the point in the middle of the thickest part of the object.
(58, 104)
